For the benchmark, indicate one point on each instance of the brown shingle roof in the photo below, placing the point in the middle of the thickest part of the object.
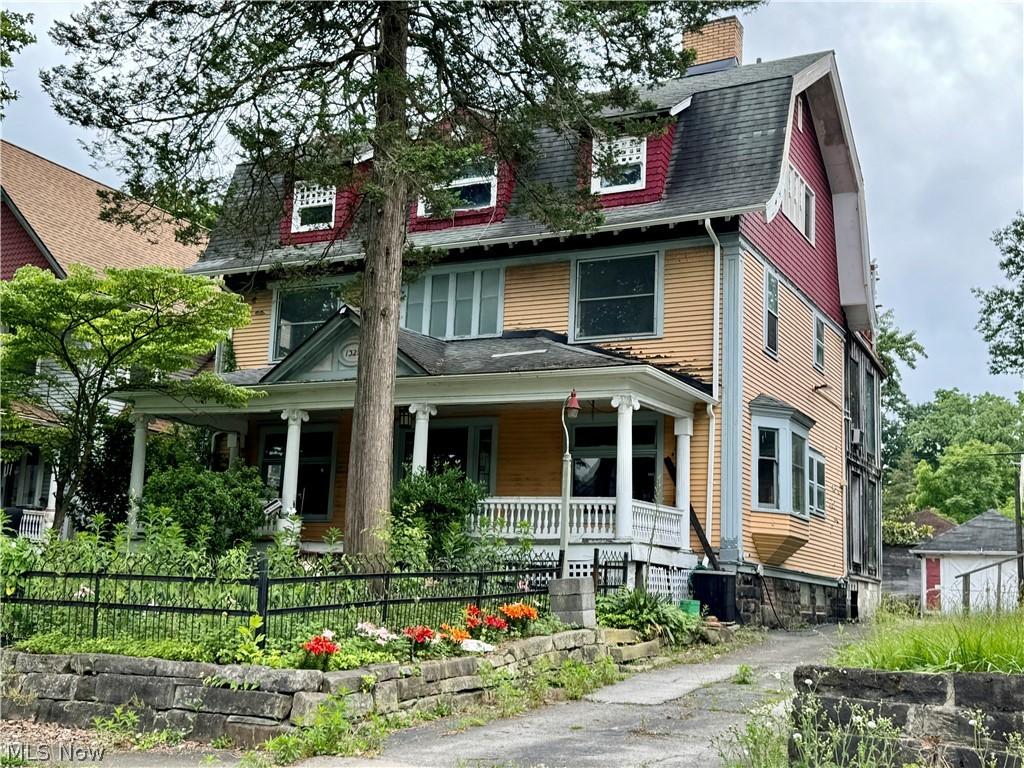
(63, 209)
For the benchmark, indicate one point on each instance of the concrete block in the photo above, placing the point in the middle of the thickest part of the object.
(576, 638)
(573, 586)
(989, 691)
(873, 684)
(577, 618)
(618, 636)
(624, 653)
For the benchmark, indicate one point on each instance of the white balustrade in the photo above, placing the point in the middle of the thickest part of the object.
(589, 518)
(35, 523)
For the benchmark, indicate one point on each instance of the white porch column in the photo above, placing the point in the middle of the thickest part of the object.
(626, 403)
(138, 475)
(423, 412)
(51, 494)
(684, 432)
(290, 481)
(232, 448)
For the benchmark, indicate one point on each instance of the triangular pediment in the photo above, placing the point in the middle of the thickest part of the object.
(331, 352)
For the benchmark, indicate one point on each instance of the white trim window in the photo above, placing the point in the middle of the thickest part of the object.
(870, 421)
(476, 189)
(455, 304)
(617, 297)
(298, 311)
(771, 312)
(629, 171)
(798, 203)
(819, 342)
(780, 456)
(816, 482)
(312, 207)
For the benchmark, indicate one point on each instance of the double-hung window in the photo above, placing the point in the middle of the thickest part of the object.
(771, 313)
(798, 461)
(629, 165)
(475, 188)
(298, 311)
(768, 467)
(819, 343)
(798, 203)
(312, 207)
(781, 461)
(452, 305)
(617, 297)
(870, 424)
(816, 482)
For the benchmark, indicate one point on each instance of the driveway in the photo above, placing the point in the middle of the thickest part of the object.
(666, 717)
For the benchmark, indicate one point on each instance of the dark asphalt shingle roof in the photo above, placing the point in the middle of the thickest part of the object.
(727, 156)
(988, 532)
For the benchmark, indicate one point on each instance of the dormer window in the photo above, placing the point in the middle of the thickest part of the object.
(312, 207)
(629, 171)
(474, 190)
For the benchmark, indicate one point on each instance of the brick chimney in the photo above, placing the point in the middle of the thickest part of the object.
(717, 40)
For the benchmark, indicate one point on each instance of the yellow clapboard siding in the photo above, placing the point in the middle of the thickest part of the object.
(792, 377)
(537, 296)
(252, 343)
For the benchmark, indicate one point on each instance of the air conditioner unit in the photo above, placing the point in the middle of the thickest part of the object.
(856, 436)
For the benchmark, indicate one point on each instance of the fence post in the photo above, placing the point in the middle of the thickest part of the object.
(95, 603)
(625, 569)
(638, 575)
(386, 597)
(479, 589)
(965, 581)
(263, 595)
(596, 571)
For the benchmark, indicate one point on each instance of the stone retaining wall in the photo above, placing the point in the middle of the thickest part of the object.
(791, 601)
(932, 711)
(250, 704)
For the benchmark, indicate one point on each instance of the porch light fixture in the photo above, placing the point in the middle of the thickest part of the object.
(570, 410)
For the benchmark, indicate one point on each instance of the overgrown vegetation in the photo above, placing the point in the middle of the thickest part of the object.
(650, 615)
(981, 642)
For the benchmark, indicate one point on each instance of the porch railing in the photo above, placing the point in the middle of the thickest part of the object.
(589, 518)
(35, 523)
(663, 526)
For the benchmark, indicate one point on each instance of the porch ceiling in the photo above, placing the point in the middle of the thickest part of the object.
(654, 388)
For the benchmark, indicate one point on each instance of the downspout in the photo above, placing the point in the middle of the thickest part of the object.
(715, 325)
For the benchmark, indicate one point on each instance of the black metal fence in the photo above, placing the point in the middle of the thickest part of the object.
(133, 604)
(610, 571)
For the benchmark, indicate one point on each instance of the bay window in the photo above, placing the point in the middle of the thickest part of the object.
(781, 458)
(298, 312)
(453, 305)
(798, 460)
(768, 468)
(629, 165)
(617, 296)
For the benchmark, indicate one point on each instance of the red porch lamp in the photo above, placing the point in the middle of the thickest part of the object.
(570, 410)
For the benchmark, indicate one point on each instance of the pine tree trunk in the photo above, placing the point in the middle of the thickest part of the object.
(368, 497)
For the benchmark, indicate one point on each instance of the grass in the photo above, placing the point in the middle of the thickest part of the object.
(980, 642)
(744, 675)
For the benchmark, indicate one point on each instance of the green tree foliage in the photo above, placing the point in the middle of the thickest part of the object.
(955, 418)
(74, 343)
(14, 35)
(896, 349)
(302, 89)
(968, 480)
(1002, 307)
(215, 510)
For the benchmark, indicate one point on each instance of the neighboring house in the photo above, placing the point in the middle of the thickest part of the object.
(901, 570)
(49, 218)
(706, 321)
(983, 542)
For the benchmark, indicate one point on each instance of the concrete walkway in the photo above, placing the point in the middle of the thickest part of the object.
(666, 717)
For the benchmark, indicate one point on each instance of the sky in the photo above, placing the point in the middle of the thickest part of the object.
(935, 93)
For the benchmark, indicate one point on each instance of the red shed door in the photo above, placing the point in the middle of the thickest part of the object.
(932, 582)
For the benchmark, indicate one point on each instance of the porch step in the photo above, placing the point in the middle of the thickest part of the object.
(624, 653)
(619, 636)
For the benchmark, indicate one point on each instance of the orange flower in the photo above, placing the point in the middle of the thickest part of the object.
(455, 634)
(519, 612)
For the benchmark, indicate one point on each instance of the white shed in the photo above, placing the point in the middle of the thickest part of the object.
(982, 541)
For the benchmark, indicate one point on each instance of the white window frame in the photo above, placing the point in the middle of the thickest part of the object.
(819, 342)
(800, 114)
(599, 149)
(452, 273)
(814, 458)
(786, 429)
(769, 277)
(300, 187)
(275, 299)
(795, 196)
(464, 181)
(659, 297)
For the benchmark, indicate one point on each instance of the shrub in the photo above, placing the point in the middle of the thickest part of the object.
(650, 615)
(215, 510)
(437, 505)
(904, 533)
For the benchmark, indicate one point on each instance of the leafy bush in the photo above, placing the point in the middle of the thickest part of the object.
(439, 504)
(648, 614)
(904, 533)
(215, 510)
(58, 642)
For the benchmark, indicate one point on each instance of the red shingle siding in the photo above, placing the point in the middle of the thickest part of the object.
(503, 198)
(814, 268)
(345, 201)
(659, 151)
(16, 247)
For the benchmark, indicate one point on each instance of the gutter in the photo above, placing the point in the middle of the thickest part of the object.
(710, 407)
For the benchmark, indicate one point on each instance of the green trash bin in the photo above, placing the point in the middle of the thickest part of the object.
(691, 607)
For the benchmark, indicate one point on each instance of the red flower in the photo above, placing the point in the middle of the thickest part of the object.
(495, 622)
(419, 635)
(319, 645)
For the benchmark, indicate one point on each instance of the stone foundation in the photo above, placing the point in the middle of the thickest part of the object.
(251, 704)
(793, 601)
(933, 712)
